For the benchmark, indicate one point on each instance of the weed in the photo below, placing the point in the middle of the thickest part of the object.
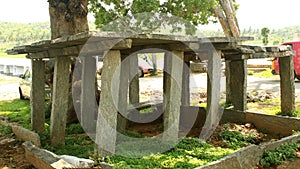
(289, 114)
(279, 155)
(132, 134)
(5, 130)
(74, 129)
(236, 140)
(146, 110)
(226, 104)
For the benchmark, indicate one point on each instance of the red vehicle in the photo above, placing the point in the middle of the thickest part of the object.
(295, 45)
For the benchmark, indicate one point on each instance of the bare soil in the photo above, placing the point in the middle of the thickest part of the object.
(12, 155)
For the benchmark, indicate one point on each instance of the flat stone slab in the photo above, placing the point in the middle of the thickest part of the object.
(249, 157)
(26, 135)
(41, 158)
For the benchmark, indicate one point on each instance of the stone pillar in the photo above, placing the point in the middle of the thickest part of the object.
(172, 109)
(213, 94)
(287, 84)
(227, 74)
(106, 131)
(37, 98)
(60, 97)
(167, 77)
(123, 95)
(185, 100)
(238, 84)
(134, 86)
(88, 96)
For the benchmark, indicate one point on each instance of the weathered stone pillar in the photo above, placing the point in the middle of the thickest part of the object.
(167, 77)
(60, 100)
(213, 94)
(238, 84)
(88, 96)
(227, 83)
(172, 109)
(185, 100)
(123, 94)
(106, 131)
(287, 84)
(37, 98)
(134, 86)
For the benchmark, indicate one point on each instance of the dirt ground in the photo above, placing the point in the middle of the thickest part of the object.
(12, 154)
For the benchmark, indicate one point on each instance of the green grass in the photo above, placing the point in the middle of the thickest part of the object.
(250, 72)
(75, 145)
(236, 140)
(5, 130)
(16, 111)
(188, 153)
(272, 107)
(279, 155)
(264, 74)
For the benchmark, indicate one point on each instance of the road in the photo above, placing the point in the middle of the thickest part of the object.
(153, 86)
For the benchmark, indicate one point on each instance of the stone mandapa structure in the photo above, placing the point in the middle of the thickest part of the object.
(116, 47)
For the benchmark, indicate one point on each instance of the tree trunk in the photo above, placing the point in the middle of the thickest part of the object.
(67, 17)
(226, 14)
(230, 14)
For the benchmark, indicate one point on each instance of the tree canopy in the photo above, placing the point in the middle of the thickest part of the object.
(149, 15)
(265, 34)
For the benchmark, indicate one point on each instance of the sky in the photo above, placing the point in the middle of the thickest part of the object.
(255, 13)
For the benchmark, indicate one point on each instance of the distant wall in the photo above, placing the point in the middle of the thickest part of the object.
(14, 67)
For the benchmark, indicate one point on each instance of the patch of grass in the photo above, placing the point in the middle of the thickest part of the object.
(226, 104)
(269, 106)
(132, 134)
(146, 110)
(273, 110)
(16, 111)
(264, 74)
(188, 153)
(5, 130)
(250, 72)
(272, 107)
(236, 140)
(75, 128)
(289, 114)
(79, 146)
(279, 155)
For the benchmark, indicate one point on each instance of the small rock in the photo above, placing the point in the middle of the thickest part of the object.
(78, 162)
(61, 164)
(7, 141)
(248, 125)
(298, 154)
